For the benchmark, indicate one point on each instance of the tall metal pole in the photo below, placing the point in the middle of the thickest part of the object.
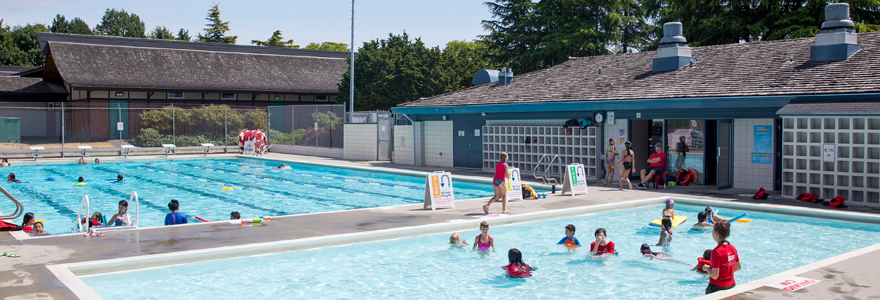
(173, 127)
(225, 132)
(62, 129)
(119, 106)
(351, 72)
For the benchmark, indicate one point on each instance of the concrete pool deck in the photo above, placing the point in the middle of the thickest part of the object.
(27, 277)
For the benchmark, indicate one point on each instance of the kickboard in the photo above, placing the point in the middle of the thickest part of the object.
(675, 221)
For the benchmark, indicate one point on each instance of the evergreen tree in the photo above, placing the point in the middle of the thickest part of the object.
(183, 35)
(330, 46)
(76, 26)
(59, 25)
(161, 33)
(637, 32)
(275, 41)
(512, 34)
(121, 23)
(216, 30)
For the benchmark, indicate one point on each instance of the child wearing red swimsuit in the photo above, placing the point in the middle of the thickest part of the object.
(703, 261)
(517, 268)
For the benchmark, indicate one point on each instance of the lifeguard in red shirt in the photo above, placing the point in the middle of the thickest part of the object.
(724, 261)
(656, 166)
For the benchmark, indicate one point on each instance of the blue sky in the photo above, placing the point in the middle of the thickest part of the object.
(436, 22)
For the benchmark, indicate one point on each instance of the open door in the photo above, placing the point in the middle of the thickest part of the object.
(725, 143)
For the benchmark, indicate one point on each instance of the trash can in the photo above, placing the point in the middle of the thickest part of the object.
(10, 130)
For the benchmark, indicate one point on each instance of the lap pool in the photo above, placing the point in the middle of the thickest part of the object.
(258, 189)
(425, 267)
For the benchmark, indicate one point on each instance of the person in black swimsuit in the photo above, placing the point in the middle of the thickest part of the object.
(627, 161)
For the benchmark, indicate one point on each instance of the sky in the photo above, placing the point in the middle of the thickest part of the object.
(304, 21)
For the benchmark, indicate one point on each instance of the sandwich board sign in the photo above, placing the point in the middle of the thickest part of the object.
(438, 190)
(574, 180)
(514, 185)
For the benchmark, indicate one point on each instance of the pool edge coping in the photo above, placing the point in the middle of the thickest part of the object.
(69, 273)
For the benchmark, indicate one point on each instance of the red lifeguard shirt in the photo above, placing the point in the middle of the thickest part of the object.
(662, 162)
(724, 258)
(608, 248)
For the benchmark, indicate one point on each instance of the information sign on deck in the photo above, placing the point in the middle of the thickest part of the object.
(438, 190)
(514, 185)
(574, 180)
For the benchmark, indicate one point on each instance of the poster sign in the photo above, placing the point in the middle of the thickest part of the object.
(119, 126)
(461, 133)
(476, 132)
(574, 180)
(621, 133)
(438, 190)
(610, 118)
(828, 152)
(763, 139)
(514, 185)
(762, 158)
(793, 283)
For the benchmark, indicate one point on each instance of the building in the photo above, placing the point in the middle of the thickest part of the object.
(754, 115)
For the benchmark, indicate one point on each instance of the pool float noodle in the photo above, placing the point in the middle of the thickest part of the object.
(40, 220)
(200, 219)
(735, 219)
(226, 188)
(80, 183)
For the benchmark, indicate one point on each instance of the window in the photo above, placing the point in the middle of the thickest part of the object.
(227, 96)
(119, 94)
(175, 95)
(320, 97)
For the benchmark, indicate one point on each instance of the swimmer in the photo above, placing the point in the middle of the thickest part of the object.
(702, 266)
(283, 167)
(122, 217)
(38, 229)
(97, 161)
(119, 178)
(27, 222)
(4, 163)
(484, 240)
(701, 220)
(81, 181)
(517, 268)
(602, 246)
(569, 240)
(234, 216)
(455, 241)
(174, 217)
(82, 161)
(96, 220)
(668, 216)
(11, 178)
(646, 252)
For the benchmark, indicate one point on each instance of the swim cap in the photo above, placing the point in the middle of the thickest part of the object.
(670, 202)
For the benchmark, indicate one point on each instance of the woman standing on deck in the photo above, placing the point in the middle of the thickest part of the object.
(502, 174)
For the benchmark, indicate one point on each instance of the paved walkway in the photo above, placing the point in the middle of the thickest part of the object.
(27, 277)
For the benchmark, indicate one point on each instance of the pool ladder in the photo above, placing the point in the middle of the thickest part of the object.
(81, 227)
(19, 209)
(545, 178)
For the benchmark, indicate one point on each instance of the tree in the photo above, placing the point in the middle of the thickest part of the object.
(329, 46)
(461, 61)
(121, 23)
(216, 30)
(161, 33)
(76, 26)
(637, 32)
(275, 41)
(512, 33)
(393, 71)
(183, 35)
(25, 39)
(10, 55)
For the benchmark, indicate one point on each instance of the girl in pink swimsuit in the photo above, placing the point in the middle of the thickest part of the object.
(484, 240)
(502, 173)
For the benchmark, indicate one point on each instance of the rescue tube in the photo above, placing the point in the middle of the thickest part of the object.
(686, 177)
(675, 221)
(530, 190)
(257, 137)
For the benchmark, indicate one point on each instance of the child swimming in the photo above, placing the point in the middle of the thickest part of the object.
(122, 217)
(517, 268)
(702, 266)
(455, 241)
(484, 240)
(666, 222)
(602, 246)
(569, 240)
(38, 229)
(646, 252)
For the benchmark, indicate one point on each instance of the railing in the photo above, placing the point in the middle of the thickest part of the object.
(81, 226)
(19, 209)
(545, 179)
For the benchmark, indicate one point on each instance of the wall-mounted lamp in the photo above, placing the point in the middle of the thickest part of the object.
(444, 117)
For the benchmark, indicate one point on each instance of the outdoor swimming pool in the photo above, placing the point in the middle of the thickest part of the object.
(258, 189)
(426, 267)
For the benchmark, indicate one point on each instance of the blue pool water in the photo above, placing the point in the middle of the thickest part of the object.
(258, 189)
(425, 267)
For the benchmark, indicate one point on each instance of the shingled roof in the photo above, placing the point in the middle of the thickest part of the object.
(176, 68)
(750, 69)
(14, 88)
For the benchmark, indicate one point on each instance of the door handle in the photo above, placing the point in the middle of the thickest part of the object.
(719, 152)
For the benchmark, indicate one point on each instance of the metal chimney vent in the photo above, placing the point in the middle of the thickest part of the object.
(673, 53)
(505, 76)
(836, 40)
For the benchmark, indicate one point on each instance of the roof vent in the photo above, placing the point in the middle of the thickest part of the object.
(485, 76)
(836, 40)
(505, 76)
(673, 53)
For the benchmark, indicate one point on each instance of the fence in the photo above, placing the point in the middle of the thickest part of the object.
(307, 125)
(62, 127)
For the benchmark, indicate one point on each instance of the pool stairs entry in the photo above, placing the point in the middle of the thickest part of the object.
(545, 178)
(19, 209)
(84, 205)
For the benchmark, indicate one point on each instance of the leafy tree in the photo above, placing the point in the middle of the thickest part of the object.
(327, 119)
(121, 23)
(161, 33)
(183, 35)
(393, 71)
(330, 46)
(216, 30)
(10, 55)
(25, 39)
(461, 60)
(275, 41)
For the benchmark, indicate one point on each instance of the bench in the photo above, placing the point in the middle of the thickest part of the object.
(126, 149)
(83, 149)
(169, 149)
(207, 147)
(37, 151)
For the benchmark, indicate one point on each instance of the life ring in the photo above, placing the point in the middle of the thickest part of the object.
(258, 137)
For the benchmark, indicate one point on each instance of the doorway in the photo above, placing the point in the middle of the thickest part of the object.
(467, 143)
(725, 144)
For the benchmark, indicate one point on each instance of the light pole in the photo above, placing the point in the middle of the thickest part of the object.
(351, 72)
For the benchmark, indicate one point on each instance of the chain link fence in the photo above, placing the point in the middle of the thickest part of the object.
(307, 125)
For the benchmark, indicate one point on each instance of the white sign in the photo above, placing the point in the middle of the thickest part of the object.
(461, 133)
(514, 185)
(793, 283)
(574, 180)
(119, 126)
(383, 128)
(638, 115)
(610, 118)
(476, 132)
(402, 141)
(438, 190)
(828, 152)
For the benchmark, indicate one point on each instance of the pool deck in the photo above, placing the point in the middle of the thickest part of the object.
(27, 277)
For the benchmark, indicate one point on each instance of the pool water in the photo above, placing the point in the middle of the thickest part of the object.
(258, 189)
(425, 267)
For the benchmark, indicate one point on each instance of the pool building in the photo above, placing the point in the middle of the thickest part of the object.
(794, 116)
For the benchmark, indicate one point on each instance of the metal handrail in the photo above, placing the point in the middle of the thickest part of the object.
(19, 209)
(545, 179)
(79, 225)
(132, 200)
